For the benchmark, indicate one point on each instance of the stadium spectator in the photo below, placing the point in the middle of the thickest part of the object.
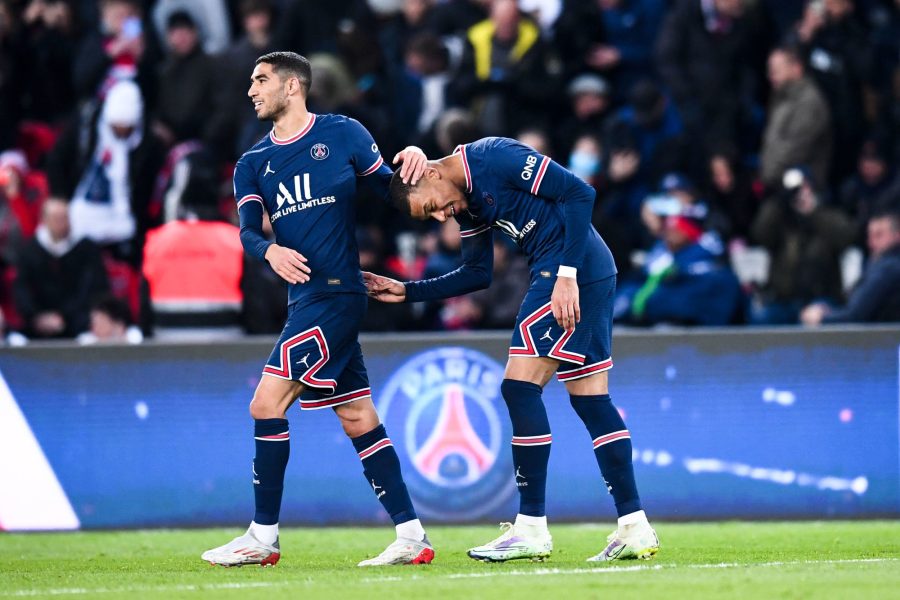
(111, 324)
(193, 267)
(873, 188)
(210, 17)
(120, 48)
(805, 240)
(50, 45)
(685, 283)
(590, 106)
(839, 56)
(876, 298)
(706, 54)
(536, 138)
(22, 192)
(503, 76)
(187, 79)
(586, 158)
(57, 277)
(730, 190)
(797, 130)
(108, 168)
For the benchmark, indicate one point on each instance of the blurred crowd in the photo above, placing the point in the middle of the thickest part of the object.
(745, 153)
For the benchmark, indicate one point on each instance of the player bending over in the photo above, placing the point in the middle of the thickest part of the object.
(303, 177)
(563, 327)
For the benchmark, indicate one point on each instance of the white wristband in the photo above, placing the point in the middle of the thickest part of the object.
(565, 271)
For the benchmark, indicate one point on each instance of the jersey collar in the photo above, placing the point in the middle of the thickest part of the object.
(296, 136)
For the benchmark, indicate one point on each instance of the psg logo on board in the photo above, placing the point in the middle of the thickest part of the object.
(446, 404)
(319, 151)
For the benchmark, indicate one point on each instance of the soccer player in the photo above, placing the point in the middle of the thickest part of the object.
(303, 175)
(564, 324)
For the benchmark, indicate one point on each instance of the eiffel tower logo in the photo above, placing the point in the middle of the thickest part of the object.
(453, 435)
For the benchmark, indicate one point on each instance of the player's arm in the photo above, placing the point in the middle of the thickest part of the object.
(289, 264)
(552, 182)
(370, 165)
(474, 274)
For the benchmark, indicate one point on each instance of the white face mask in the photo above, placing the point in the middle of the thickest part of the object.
(584, 164)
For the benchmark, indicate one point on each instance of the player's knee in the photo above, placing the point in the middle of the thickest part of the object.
(260, 409)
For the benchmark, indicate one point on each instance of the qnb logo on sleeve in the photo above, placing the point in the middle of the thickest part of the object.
(528, 171)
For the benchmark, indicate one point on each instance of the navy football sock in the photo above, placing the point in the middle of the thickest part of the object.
(612, 447)
(382, 469)
(273, 447)
(530, 443)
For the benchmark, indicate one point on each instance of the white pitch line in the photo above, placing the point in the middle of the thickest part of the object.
(199, 587)
(629, 569)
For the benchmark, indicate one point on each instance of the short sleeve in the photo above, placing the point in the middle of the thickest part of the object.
(364, 153)
(245, 185)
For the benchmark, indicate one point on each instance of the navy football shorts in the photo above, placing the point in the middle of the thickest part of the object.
(319, 348)
(582, 352)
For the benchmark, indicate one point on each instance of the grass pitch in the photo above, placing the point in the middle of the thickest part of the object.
(836, 559)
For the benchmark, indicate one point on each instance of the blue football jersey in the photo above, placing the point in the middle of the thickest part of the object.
(515, 189)
(543, 207)
(307, 185)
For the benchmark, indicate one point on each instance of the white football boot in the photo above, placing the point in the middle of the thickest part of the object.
(515, 542)
(403, 551)
(244, 550)
(638, 541)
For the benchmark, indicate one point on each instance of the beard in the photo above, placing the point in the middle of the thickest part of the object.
(278, 106)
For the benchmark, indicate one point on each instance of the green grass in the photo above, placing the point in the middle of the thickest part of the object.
(735, 560)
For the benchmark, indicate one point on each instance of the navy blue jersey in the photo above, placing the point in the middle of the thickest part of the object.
(543, 207)
(307, 184)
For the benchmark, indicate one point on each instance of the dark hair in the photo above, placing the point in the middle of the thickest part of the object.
(289, 64)
(892, 215)
(117, 310)
(251, 7)
(180, 19)
(400, 193)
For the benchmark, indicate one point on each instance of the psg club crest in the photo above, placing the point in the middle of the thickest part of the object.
(446, 404)
(319, 151)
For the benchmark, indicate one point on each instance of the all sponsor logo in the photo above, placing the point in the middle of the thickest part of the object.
(447, 404)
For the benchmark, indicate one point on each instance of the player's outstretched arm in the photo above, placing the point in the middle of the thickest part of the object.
(289, 264)
(384, 289)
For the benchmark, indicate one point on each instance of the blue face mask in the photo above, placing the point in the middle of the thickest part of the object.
(584, 164)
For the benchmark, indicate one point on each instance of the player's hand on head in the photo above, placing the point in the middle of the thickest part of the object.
(414, 163)
(384, 289)
(564, 303)
(289, 264)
